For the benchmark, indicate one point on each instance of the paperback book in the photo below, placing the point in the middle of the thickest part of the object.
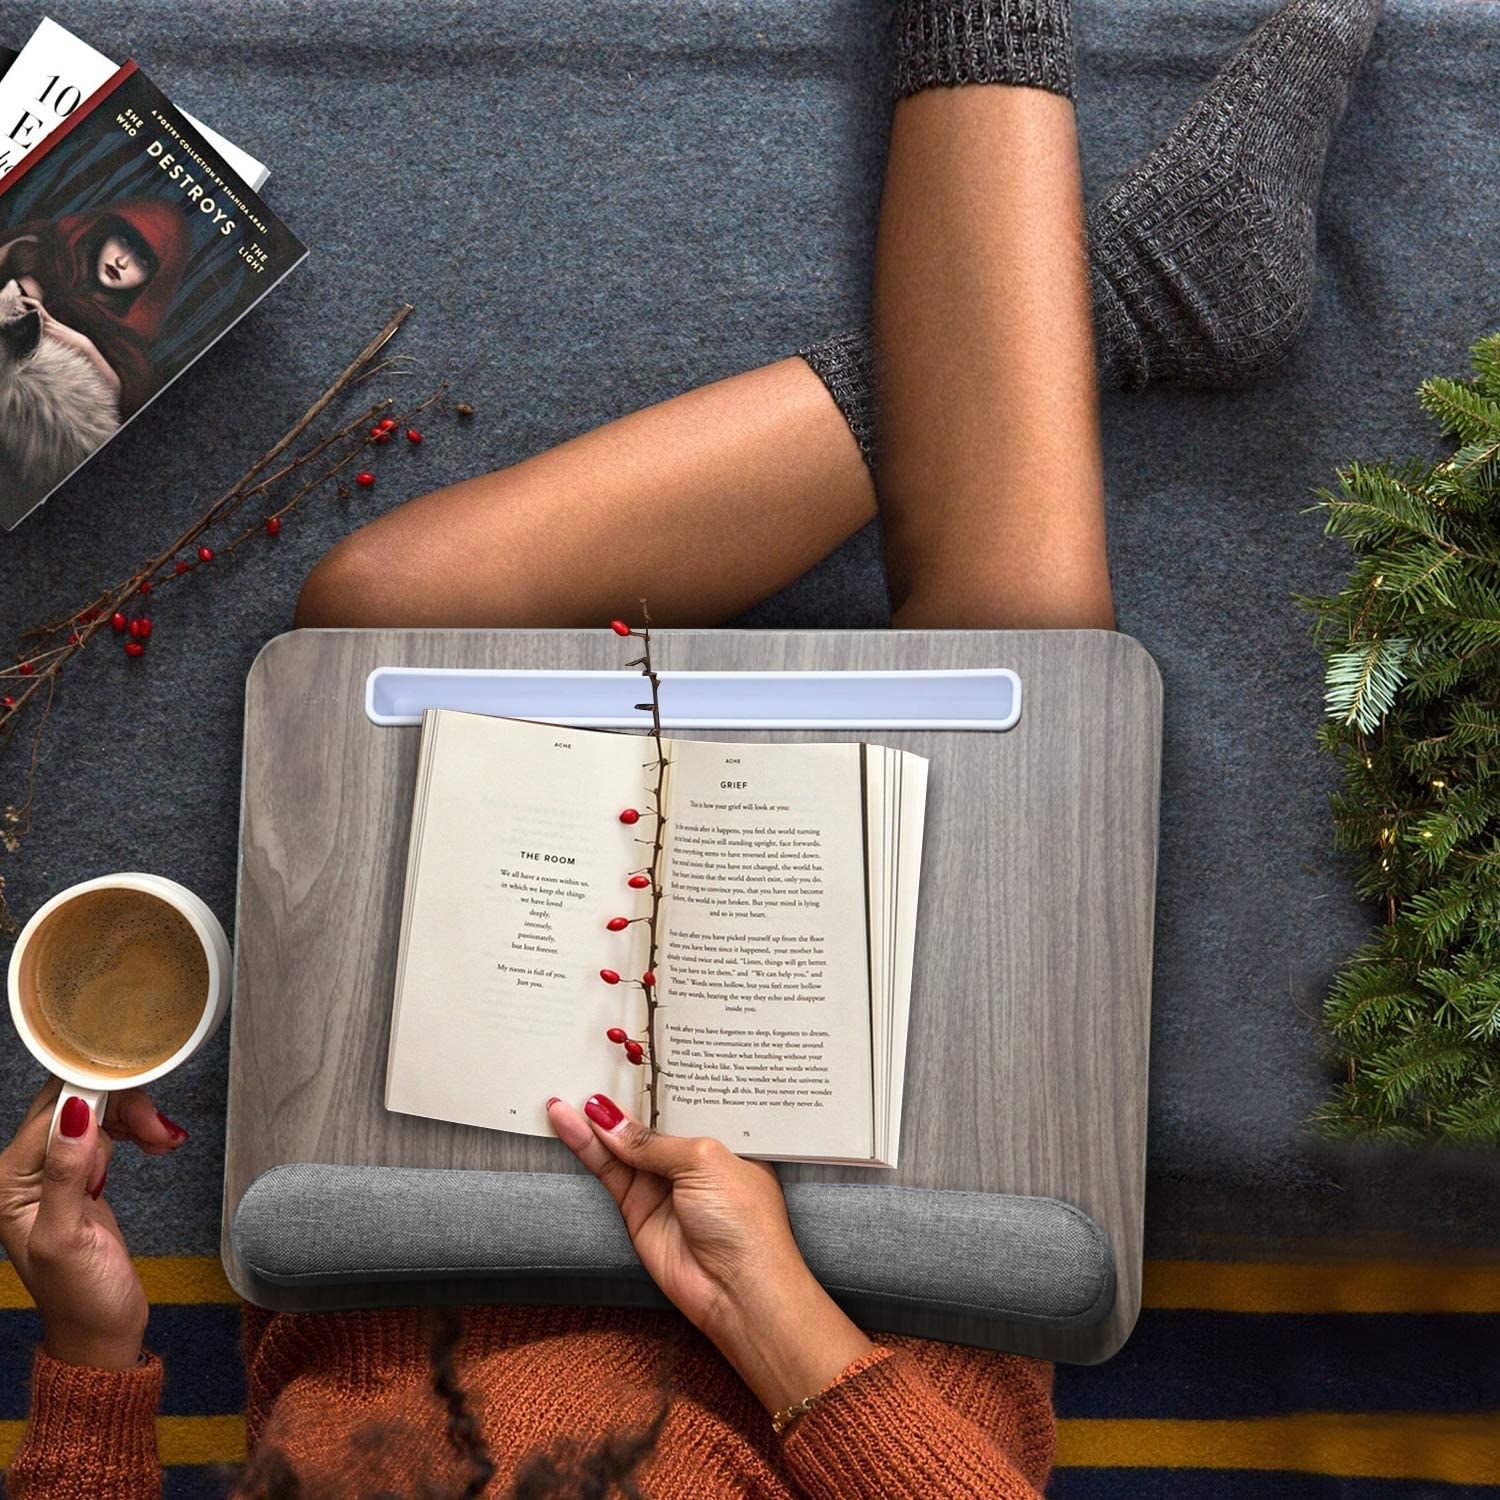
(128, 246)
(785, 945)
(54, 73)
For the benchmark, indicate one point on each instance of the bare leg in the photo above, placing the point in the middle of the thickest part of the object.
(988, 442)
(990, 473)
(704, 504)
(992, 493)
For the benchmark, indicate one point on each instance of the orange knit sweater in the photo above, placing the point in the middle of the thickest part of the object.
(347, 1398)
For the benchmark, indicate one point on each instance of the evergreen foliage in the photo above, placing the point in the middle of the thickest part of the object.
(1412, 649)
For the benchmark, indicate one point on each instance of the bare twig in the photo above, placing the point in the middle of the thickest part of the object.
(653, 1003)
(48, 648)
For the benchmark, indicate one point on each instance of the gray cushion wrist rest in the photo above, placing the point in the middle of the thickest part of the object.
(901, 1259)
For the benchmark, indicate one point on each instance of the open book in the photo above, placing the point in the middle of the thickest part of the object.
(784, 946)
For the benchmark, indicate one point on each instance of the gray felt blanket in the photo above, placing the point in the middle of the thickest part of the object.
(595, 204)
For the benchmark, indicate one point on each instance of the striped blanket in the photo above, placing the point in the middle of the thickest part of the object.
(1377, 1380)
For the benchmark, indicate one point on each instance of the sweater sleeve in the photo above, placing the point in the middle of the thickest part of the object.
(881, 1429)
(91, 1434)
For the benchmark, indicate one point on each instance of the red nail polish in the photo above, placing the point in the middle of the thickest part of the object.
(178, 1133)
(95, 1194)
(603, 1111)
(553, 1100)
(74, 1119)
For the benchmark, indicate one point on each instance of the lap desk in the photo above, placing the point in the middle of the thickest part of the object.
(1015, 1218)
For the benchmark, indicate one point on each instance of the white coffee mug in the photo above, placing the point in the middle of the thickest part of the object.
(94, 1088)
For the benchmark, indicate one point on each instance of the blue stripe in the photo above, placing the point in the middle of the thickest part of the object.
(208, 1482)
(198, 1344)
(200, 1482)
(1199, 1364)
(1220, 1484)
(200, 1350)
(1177, 1364)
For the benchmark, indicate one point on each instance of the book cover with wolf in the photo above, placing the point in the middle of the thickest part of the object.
(127, 248)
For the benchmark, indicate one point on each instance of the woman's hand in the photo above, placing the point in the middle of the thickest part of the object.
(60, 1234)
(712, 1230)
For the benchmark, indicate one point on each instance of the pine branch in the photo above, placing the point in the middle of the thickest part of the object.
(1411, 649)
(1465, 412)
(1486, 357)
(1475, 1118)
(1362, 682)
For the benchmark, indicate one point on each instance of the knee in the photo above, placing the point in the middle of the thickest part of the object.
(346, 587)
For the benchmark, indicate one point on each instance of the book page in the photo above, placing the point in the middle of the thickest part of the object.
(765, 1020)
(517, 860)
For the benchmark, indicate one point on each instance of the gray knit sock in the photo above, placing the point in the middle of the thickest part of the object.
(945, 42)
(1201, 257)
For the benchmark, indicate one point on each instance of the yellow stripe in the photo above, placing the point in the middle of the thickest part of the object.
(1375, 1286)
(166, 1278)
(201, 1440)
(1396, 1445)
(1371, 1286)
(184, 1278)
(1440, 1449)
(179, 1440)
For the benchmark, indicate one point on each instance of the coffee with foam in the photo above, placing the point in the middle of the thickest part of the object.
(114, 981)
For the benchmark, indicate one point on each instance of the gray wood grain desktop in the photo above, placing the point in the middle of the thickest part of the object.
(1031, 1007)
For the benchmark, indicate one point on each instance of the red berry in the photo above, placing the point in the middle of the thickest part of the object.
(616, 1033)
(609, 976)
(118, 622)
(648, 979)
(205, 554)
(181, 568)
(26, 669)
(364, 478)
(388, 424)
(135, 629)
(380, 434)
(630, 815)
(74, 638)
(619, 627)
(273, 525)
(635, 1052)
(618, 924)
(7, 701)
(145, 625)
(144, 589)
(638, 882)
(412, 435)
(134, 648)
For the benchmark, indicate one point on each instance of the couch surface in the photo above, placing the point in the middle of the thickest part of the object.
(594, 206)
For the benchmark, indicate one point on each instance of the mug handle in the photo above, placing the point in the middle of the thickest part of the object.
(96, 1099)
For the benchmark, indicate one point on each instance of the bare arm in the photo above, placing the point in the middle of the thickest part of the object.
(712, 1229)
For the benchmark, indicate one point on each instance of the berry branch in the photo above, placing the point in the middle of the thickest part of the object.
(644, 1051)
(283, 479)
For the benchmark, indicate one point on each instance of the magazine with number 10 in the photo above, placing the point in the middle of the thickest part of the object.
(128, 247)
